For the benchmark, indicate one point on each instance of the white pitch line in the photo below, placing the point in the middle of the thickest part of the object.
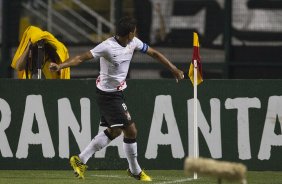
(109, 176)
(176, 181)
(123, 177)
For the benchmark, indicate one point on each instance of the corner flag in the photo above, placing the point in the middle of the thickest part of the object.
(195, 75)
(196, 58)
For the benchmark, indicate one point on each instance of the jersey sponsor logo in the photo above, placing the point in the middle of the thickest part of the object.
(120, 87)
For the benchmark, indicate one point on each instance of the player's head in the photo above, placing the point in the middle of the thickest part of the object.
(126, 26)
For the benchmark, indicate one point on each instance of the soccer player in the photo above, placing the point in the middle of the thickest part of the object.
(115, 55)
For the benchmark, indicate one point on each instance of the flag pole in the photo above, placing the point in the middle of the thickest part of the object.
(195, 75)
(195, 114)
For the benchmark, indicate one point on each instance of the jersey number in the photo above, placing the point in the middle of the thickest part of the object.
(124, 106)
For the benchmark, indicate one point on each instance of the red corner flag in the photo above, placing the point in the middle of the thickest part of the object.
(196, 56)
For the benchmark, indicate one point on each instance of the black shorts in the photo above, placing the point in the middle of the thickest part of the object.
(112, 109)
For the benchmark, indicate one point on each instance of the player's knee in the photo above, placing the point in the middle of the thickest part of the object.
(134, 132)
(114, 132)
(130, 131)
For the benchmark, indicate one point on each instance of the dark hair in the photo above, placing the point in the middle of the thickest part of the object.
(125, 25)
(51, 54)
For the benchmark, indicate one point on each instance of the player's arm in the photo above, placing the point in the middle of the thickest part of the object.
(178, 74)
(21, 62)
(71, 61)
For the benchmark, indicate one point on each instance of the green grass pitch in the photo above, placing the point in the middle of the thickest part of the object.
(120, 177)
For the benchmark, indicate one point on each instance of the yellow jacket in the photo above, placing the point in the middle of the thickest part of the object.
(35, 34)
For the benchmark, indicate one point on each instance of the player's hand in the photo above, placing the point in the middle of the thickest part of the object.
(54, 67)
(178, 74)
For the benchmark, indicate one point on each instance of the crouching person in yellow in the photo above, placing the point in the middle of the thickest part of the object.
(28, 54)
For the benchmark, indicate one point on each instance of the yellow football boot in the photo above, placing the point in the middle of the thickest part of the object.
(78, 166)
(142, 176)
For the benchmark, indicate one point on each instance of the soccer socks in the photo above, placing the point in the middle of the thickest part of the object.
(103, 139)
(130, 149)
(97, 143)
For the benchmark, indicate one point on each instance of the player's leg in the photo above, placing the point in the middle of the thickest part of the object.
(130, 149)
(101, 140)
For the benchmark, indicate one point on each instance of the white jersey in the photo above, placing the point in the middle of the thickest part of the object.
(114, 62)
